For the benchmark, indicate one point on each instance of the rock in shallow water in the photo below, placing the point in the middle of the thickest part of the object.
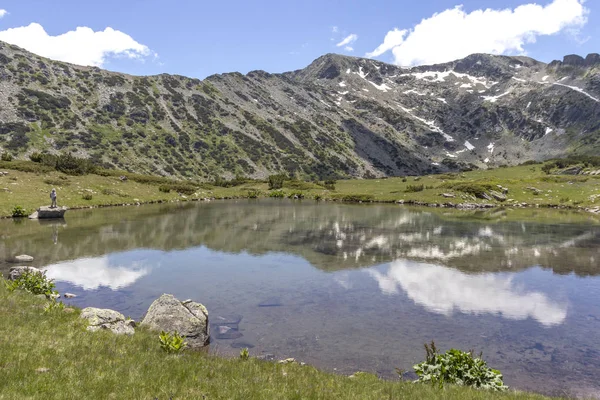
(188, 318)
(16, 272)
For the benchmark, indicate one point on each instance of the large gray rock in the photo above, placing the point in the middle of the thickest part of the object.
(46, 212)
(188, 318)
(102, 318)
(23, 258)
(16, 272)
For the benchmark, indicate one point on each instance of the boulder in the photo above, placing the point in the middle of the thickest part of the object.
(46, 212)
(99, 318)
(188, 318)
(497, 195)
(23, 258)
(16, 272)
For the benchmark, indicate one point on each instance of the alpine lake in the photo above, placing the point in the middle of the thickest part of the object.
(347, 287)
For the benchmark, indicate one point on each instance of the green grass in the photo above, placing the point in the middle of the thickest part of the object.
(30, 189)
(84, 365)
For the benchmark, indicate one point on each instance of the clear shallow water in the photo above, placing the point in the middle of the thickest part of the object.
(348, 287)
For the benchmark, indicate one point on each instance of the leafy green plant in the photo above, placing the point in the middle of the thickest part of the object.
(18, 212)
(318, 197)
(164, 188)
(33, 282)
(244, 354)
(329, 184)
(172, 344)
(87, 196)
(6, 157)
(296, 194)
(459, 368)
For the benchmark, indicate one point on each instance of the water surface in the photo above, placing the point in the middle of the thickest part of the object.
(348, 287)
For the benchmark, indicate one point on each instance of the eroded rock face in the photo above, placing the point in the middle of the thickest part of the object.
(188, 318)
(102, 318)
(16, 272)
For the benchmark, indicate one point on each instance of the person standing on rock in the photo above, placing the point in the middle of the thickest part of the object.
(53, 198)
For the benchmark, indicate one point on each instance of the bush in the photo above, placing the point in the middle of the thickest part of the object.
(253, 194)
(329, 184)
(181, 187)
(355, 198)
(172, 344)
(414, 188)
(36, 157)
(244, 354)
(277, 194)
(34, 283)
(87, 196)
(276, 181)
(18, 212)
(458, 368)
(476, 189)
(296, 194)
(72, 165)
(6, 157)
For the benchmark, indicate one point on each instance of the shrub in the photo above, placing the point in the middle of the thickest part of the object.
(296, 194)
(253, 194)
(33, 282)
(172, 344)
(72, 165)
(18, 212)
(329, 184)
(277, 194)
(244, 354)
(57, 182)
(414, 188)
(180, 187)
(276, 181)
(318, 197)
(355, 198)
(6, 157)
(459, 368)
(36, 157)
(87, 196)
(476, 189)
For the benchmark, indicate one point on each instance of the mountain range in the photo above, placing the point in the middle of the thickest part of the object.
(339, 117)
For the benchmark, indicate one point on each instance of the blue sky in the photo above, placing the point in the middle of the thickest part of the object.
(198, 38)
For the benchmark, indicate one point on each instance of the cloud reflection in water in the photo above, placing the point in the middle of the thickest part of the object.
(443, 290)
(91, 273)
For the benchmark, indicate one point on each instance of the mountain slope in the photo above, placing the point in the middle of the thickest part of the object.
(340, 116)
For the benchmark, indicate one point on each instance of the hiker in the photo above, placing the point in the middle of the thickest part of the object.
(53, 198)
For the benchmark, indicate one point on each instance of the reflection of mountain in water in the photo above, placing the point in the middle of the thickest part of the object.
(331, 236)
(92, 273)
(444, 290)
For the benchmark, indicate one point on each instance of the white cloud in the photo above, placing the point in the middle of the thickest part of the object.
(82, 46)
(92, 273)
(454, 34)
(348, 40)
(3, 13)
(392, 39)
(349, 48)
(445, 290)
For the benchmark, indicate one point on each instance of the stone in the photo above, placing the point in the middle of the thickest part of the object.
(242, 345)
(266, 357)
(99, 318)
(70, 295)
(42, 370)
(571, 171)
(448, 195)
(46, 212)
(16, 272)
(189, 319)
(497, 195)
(23, 258)
(287, 361)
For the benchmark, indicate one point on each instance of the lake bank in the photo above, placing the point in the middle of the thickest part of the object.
(525, 186)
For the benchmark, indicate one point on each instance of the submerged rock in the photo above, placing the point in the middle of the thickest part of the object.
(99, 318)
(188, 318)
